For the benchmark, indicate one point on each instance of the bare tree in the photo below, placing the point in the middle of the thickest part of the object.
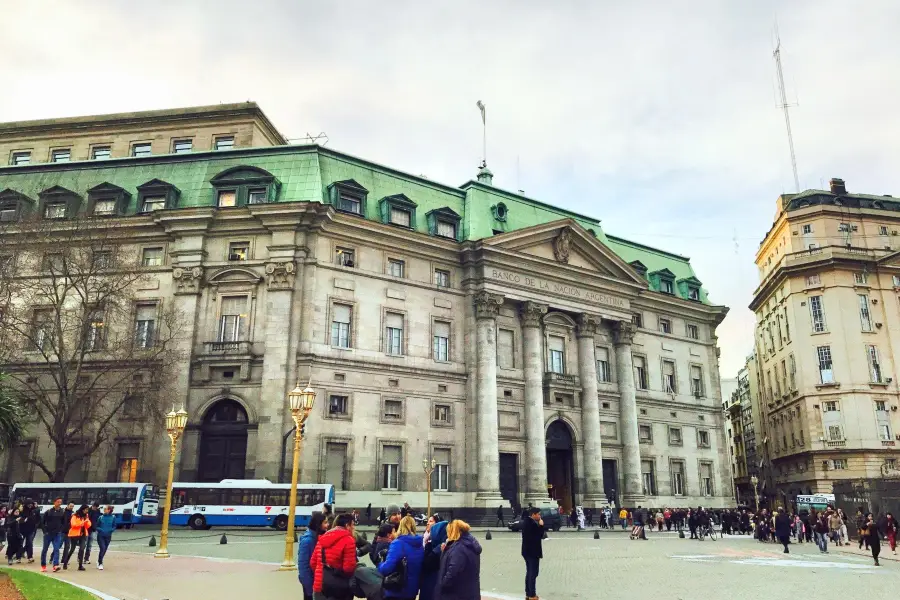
(86, 356)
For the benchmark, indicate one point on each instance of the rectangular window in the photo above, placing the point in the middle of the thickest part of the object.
(670, 384)
(127, 460)
(835, 433)
(151, 257)
(55, 210)
(238, 251)
(882, 230)
(42, 329)
(648, 478)
(446, 229)
(666, 286)
(896, 280)
(227, 198)
(677, 478)
(830, 406)
(812, 280)
(843, 227)
(393, 337)
(338, 405)
(62, 155)
(880, 406)
(696, 381)
(20, 159)
(225, 142)
(442, 414)
(101, 260)
(706, 482)
(693, 293)
(105, 207)
(441, 341)
(603, 371)
(96, 330)
(8, 212)
(505, 355)
(787, 327)
(637, 319)
(840, 464)
(783, 379)
(793, 372)
(703, 438)
(400, 217)
(393, 410)
(675, 436)
(340, 325)
(144, 325)
(818, 314)
(101, 153)
(884, 432)
(693, 332)
(335, 467)
(182, 146)
(441, 476)
(640, 372)
(807, 228)
(350, 203)
(257, 196)
(557, 354)
(865, 316)
(396, 267)
(345, 257)
(390, 467)
(861, 278)
(441, 278)
(645, 433)
(826, 374)
(874, 364)
(232, 319)
(665, 325)
(152, 203)
(142, 149)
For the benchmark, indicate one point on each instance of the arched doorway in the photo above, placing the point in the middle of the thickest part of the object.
(223, 442)
(561, 464)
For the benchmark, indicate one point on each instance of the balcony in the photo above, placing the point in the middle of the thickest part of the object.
(836, 444)
(226, 348)
(561, 380)
(888, 443)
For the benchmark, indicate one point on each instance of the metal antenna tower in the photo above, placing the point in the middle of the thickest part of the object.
(784, 106)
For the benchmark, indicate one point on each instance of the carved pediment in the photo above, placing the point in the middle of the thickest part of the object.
(234, 276)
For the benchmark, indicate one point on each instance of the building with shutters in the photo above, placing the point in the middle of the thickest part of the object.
(528, 353)
(828, 318)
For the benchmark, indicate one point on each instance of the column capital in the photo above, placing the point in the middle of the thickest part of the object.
(532, 313)
(587, 325)
(487, 305)
(623, 332)
(280, 275)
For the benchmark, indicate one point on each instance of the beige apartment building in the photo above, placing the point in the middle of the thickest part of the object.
(528, 353)
(827, 334)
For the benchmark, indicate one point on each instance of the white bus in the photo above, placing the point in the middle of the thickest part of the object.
(245, 503)
(132, 503)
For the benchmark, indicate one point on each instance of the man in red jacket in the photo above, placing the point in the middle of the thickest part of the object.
(339, 544)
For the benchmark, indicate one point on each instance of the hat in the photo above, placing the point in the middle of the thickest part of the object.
(393, 509)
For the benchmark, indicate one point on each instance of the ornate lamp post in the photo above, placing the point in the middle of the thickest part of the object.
(175, 424)
(301, 403)
(428, 471)
(755, 481)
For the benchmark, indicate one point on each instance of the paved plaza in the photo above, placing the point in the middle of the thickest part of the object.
(575, 566)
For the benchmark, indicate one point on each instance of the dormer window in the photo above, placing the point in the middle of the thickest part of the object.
(690, 288)
(693, 294)
(153, 203)
(156, 195)
(105, 207)
(8, 212)
(663, 281)
(14, 206)
(107, 200)
(639, 267)
(398, 210)
(243, 185)
(666, 287)
(59, 203)
(55, 210)
(443, 222)
(348, 196)
(500, 211)
(446, 229)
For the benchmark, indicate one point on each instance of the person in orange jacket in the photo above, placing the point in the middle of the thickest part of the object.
(78, 532)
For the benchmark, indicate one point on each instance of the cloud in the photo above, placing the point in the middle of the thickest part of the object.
(656, 117)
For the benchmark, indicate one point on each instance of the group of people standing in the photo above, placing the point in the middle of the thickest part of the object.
(65, 530)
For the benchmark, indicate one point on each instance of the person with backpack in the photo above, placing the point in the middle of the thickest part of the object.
(407, 547)
(334, 560)
(79, 526)
(106, 524)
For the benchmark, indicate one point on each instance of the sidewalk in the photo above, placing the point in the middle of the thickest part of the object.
(853, 548)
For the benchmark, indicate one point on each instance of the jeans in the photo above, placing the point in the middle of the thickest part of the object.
(822, 541)
(88, 545)
(73, 544)
(103, 540)
(532, 569)
(56, 540)
(624, 523)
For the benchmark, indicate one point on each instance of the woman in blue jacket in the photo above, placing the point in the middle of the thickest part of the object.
(317, 525)
(106, 524)
(437, 535)
(407, 545)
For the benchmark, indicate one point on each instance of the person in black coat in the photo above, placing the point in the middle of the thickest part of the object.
(13, 537)
(459, 577)
(532, 551)
(783, 528)
(31, 519)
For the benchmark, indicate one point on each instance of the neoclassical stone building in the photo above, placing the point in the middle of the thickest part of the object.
(531, 355)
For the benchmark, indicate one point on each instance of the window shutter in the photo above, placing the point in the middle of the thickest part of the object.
(391, 455)
(234, 305)
(341, 313)
(557, 343)
(442, 330)
(394, 321)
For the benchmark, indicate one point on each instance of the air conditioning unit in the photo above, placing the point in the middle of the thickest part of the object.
(854, 228)
(897, 437)
(235, 257)
(894, 232)
(793, 233)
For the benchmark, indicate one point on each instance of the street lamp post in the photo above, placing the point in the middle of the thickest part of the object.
(428, 471)
(175, 424)
(301, 402)
(755, 481)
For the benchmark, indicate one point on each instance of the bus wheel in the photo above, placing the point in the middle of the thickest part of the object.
(281, 523)
(198, 522)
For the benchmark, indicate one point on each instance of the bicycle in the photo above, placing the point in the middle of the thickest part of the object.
(706, 530)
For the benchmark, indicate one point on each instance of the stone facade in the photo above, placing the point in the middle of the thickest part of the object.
(543, 360)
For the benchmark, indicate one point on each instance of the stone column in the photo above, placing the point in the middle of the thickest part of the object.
(487, 306)
(623, 332)
(593, 494)
(535, 440)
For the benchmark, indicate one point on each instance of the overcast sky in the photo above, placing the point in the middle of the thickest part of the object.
(657, 117)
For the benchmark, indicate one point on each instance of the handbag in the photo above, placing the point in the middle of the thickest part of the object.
(396, 581)
(335, 583)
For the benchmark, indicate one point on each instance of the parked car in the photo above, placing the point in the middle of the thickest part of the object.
(551, 517)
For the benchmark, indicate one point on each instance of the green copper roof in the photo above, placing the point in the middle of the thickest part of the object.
(304, 174)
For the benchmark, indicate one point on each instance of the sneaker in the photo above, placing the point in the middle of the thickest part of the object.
(55, 568)
(30, 561)
(81, 568)
(87, 562)
(44, 569)
(65, 566)
(100, 567)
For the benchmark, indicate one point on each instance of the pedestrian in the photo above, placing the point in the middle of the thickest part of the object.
(394, 514)
(383, 538)
(821, 530)
(692, 523)
(845, 535)
(3, 513)
(382, 517)
(890, 527)
(94, 517)
(79, 525)
(369, 513)
(873, 537)
(337, 549)
(500, 516)
(316, 527)
(431, 563)
(623, 518)
(459, 577)
(13, 536)
(355, 514)
(408, 547)
(31, 519)
(579, 518)
(660, 520)
(106, 524)
(54, 525)
(783, 528)
(861, 528)
(532, 551)
(834, 526)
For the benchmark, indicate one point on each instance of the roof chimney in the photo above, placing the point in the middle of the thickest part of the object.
(485, 176)
(838, 188)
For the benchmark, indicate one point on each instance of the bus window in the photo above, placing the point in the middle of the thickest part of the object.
(277, 498)
(119, 495)
(236, 497)
(210, 497)
(75, 497)
(178, 498)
